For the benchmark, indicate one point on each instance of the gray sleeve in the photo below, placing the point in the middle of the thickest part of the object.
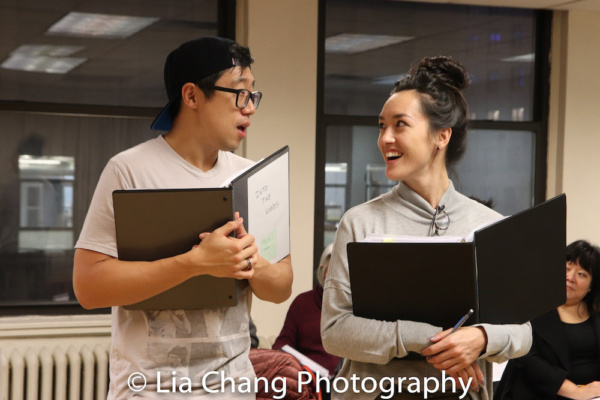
(506, 341)
(357, 338)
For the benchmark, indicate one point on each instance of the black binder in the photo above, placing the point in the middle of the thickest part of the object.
(160, 223)
(513, 271)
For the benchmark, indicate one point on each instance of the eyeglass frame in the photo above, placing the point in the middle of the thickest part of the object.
(434, 227)
(252, 95)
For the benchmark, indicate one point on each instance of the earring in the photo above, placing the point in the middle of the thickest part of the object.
(437, 148)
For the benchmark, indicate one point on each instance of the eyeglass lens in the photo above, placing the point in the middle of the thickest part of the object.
(440, 221)
(245, 95)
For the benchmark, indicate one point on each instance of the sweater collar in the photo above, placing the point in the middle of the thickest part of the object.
(412, 201)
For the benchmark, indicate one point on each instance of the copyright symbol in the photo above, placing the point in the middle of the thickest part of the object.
(136, 382)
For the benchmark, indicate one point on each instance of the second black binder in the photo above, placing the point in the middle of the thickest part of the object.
(513, 271)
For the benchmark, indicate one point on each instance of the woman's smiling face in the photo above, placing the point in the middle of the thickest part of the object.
(405, 138)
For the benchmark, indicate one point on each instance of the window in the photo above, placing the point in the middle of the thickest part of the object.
(365, 46)
(73, 93)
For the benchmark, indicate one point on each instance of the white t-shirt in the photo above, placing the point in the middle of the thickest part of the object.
(182, 345)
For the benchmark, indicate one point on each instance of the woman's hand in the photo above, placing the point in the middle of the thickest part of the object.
(455, 352)
(473, 373)
(590, 391)
(584, 392)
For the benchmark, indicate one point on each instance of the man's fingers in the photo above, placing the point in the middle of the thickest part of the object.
(229, 227)
(248, 241)
(247, 264)
(241, 231)
(244, 274)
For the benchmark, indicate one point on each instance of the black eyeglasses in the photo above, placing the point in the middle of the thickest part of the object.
(242, 96)
(440, 221)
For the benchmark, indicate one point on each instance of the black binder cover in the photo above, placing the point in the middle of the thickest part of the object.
(159, 223)
(410, 281)
(156, 224)
(513, 271)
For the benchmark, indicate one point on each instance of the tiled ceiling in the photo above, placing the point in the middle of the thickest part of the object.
(128, 72)
(120, 72)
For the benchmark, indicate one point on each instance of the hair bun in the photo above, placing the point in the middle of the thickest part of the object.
(443, 70)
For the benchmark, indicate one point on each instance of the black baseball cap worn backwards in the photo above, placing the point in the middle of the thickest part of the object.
(191, 62)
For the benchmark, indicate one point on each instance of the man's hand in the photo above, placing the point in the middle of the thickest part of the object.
(221, 255)
(269, 282)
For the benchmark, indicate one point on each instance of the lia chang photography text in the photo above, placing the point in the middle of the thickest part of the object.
(387, 386)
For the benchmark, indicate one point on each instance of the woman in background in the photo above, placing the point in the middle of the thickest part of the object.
(302, 327)
(564, 361)
(422, 131)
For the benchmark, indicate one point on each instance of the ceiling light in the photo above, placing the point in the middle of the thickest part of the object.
(50, 65)
(522, 58)
(351, 43)
(99, 25)
(47, 50)
(336, 167)
(35, 161)
(26, 160)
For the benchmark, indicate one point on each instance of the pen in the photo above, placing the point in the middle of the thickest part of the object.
(462, 321)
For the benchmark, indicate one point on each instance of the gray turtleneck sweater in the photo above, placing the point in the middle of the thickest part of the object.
(377, 349)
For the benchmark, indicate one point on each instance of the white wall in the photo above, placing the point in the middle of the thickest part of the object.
(574, 137)
(282, 36)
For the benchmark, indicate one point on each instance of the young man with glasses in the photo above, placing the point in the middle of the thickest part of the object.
(211, 99)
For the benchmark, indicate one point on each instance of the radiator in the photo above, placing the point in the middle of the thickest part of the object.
(54, 373)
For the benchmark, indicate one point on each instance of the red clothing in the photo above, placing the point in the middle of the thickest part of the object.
(302, 329)
(271, 364)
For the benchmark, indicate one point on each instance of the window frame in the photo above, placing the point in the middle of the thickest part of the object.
(226, 27)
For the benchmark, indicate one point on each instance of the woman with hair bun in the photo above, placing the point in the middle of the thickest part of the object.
(422, 131)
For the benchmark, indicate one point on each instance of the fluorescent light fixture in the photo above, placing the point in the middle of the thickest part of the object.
(27, 161)
(522, 58)
(50, 65)
(336, 167)
(99, 25)
(35, 161)
(351, 43)
(46, 50)
(388, 80)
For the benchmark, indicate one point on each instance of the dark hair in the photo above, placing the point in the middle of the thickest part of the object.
(243, 59)
(588, 258)
(441, 82)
